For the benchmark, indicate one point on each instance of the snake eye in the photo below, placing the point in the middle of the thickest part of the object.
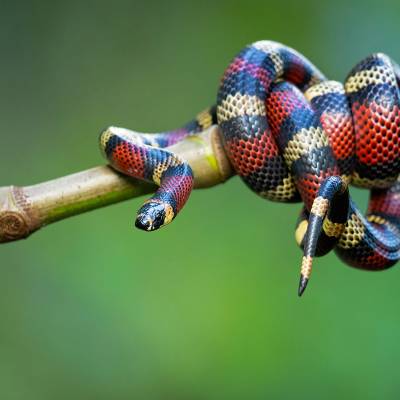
(151, 216)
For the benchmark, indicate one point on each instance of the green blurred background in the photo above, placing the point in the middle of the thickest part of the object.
(207, 308)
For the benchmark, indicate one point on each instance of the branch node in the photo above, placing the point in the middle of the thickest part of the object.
(17, 219)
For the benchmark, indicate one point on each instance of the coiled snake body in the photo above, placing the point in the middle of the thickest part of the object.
(292, 135)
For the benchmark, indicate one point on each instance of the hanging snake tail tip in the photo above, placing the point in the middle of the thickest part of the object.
(306, 268)
(317, 214)
(302, 285)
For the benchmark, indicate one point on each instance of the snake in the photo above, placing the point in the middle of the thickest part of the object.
(292, 135)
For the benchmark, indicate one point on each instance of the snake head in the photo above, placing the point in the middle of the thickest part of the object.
(153, 215)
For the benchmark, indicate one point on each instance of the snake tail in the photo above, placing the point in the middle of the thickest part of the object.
(326, 223)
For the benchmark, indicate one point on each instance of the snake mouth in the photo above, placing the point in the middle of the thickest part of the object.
(144, 223)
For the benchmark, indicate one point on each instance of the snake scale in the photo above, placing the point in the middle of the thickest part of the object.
(292, 135)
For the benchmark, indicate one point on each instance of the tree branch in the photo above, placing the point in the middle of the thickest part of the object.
(24, 210)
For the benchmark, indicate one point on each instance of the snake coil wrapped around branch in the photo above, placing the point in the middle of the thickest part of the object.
(291, 134)
(23, 210)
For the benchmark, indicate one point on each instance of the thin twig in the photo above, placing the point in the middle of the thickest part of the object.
(24, 210)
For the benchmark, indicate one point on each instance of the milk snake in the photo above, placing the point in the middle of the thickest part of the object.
(292, 136)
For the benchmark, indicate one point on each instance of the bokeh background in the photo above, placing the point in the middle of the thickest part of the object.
(207, 308)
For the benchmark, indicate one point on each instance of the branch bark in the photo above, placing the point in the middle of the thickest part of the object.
(24, 210)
